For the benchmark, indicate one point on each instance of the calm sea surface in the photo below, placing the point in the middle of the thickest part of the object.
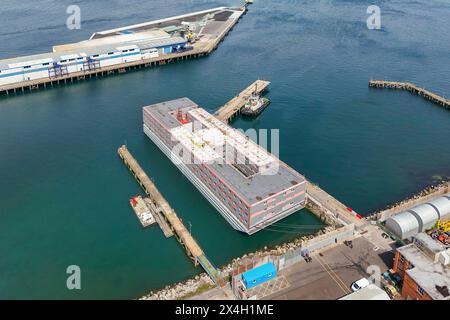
(64, 191)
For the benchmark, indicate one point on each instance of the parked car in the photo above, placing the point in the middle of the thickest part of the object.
(391, 291)
(361, 283)
(396, 279)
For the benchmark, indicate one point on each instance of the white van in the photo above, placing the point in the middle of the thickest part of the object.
(361, 283)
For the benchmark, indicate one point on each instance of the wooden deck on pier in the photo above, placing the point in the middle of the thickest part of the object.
(156, 199)
(99, 72)
(200, 49)
(411, 88)
(159, 218)
(232, 107)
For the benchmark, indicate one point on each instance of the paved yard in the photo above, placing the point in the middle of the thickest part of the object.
(328, 276)
(331, 273)
(263, 290)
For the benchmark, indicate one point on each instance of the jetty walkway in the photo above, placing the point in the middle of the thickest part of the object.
(232, 107)
(413, 89)
(183, 236)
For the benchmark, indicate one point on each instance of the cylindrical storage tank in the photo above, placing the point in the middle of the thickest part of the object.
(403, 225)
(442, 205)
(426, 215)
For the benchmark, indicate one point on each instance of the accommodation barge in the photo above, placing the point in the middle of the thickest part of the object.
(249, 186)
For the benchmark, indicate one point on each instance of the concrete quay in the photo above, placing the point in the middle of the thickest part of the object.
(209, 36)
(333, 209)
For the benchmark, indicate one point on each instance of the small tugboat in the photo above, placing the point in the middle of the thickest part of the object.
(254, 105)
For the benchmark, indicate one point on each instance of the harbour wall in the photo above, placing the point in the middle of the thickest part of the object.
(418, 198)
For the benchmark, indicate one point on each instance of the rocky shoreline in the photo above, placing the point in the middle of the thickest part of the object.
(423, 195)
(181, 289)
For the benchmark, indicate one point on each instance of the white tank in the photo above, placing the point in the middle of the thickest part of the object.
(442, 205)
(444, 258)
(426, 215)
(403, 225)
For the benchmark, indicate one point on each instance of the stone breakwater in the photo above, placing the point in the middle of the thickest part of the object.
(191, 286)
(181, 289)
(420, 197)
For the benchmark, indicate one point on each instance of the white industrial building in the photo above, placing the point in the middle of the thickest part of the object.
(90, 55)
(420, 218)
(371, 292)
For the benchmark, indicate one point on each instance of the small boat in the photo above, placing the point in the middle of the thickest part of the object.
(254, 105)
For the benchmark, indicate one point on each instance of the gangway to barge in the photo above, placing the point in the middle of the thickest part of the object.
(211, 270)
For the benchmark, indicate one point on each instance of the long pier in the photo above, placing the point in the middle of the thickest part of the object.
(156, 199)
(411, 88)
(159, 217)
(232, 107)
(100, 72)
(199, 49)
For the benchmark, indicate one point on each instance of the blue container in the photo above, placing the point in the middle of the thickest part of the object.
(259, 275)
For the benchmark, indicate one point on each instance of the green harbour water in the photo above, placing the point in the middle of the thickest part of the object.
(64, 191)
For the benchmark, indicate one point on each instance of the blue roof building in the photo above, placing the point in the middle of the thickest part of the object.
(259, 275)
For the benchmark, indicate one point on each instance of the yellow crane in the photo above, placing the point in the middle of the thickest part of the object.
(189, 36)
(443, 226)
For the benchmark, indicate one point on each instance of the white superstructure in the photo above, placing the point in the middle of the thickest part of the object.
(89, 56)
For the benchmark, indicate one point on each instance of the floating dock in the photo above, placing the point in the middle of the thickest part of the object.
(208, 28)
(232, 107)
(411, 88)
(183, 236)
(142, 211)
